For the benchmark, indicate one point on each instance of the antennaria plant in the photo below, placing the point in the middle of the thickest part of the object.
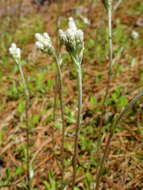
(16, 54)
(73, 40)
(44, 43)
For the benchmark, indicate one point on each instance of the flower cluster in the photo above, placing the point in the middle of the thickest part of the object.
(44, 42)
(135, 34)
(73, 38)
(15, 52)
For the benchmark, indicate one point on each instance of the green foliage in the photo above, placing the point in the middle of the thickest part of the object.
(21, 107)
(26, 31)
(88, 180)
(1, 136)
(34, 120)
(93, 101)
(13, 91)
(139, 7)
(120, 35)
(76, 188)
(86, 144)
(51, 184)
(118, 99)
(18, 171)
(70, 117)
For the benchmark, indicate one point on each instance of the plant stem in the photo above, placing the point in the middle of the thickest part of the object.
(60, 84)
(110, 61)
(78, 124)
(109, 79)
(27, 99)
(110, 50)
(54, 109)
(113, 127)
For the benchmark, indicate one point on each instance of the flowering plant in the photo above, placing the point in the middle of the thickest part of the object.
(72, 38)
(16, 54)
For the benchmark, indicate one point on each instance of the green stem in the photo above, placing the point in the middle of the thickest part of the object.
(110, 50)
(27, 98)
(54, 108)
(109, 78)
(78, 125)
(60, 84)
(24, 81)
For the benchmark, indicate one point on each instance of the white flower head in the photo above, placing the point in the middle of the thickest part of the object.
(15, 52)
(73, 38)
(44, 42)
(135, 34)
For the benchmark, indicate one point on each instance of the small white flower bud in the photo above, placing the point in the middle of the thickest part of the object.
(38, 37)
(135, 34)
(46, 36)
(72, 24)
(39, 45)
(14, 51)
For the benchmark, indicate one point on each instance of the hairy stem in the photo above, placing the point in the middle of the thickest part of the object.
(54, 108)
(110, 50)
(78, 124)
(109, 77)
(27, 99)
(109, 8)
(60, 85)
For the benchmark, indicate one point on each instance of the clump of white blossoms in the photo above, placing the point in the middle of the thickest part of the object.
(15, 52)
(73, 38)
(44, 43)
(135, 34)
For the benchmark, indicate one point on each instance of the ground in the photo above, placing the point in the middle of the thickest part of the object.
(123, 168)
